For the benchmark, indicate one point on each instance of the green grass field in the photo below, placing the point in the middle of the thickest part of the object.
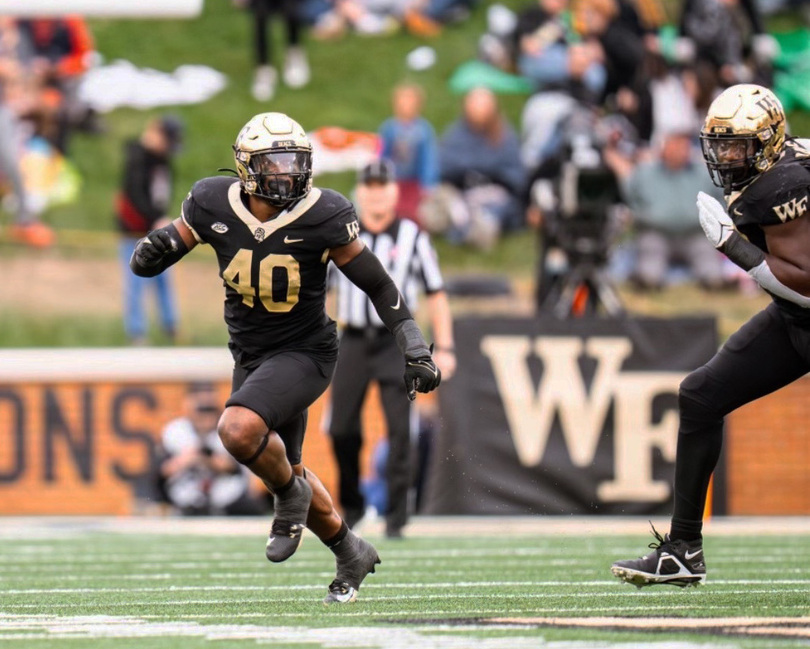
(169, 583)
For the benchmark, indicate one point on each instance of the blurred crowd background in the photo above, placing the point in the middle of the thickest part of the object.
(492, 113)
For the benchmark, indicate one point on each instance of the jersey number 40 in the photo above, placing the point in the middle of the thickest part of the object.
(279, 280)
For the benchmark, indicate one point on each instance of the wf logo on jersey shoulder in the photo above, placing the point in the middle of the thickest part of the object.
(353, 229)
(792, 209)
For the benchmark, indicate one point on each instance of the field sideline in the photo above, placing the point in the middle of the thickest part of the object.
(165, 583)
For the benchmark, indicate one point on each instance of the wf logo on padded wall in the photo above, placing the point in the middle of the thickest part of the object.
(562, 394)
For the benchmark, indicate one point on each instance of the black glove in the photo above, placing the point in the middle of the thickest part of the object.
(152, 248)
(421, 375)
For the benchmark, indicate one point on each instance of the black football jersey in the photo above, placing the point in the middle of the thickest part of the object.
(274, 273)
(778, 195)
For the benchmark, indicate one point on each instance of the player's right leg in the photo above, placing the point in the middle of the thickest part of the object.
(246, 436)
(758, 359)
(263, 428)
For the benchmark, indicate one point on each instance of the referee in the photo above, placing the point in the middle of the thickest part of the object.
(368, 351)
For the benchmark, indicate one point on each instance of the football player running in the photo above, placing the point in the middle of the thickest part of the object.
(765, 230)
(274, 235)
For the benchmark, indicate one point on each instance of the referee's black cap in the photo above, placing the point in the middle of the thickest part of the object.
(379, 171)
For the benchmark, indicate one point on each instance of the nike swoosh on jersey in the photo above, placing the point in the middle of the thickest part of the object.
(288, 240)
(398, 304)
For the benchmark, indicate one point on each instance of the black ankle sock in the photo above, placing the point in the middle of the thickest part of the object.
(280, 491)
(337, 538)
(683, 530)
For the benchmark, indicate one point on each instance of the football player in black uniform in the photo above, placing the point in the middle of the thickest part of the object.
(766, 231)
(274, 234)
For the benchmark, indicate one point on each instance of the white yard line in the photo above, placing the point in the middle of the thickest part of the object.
(387, 637)
(420, 526)
(405, 585)
(623, 593)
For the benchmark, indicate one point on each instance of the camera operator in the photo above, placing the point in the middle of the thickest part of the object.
(196, 474)
(667, 233)
(574, 205)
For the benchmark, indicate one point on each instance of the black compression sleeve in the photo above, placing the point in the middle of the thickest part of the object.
(367, 273)
(171, 257)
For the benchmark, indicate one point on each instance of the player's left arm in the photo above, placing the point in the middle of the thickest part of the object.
(784, 270)
(365, 271)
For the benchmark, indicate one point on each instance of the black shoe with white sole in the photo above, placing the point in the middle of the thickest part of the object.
(353, 566)
(678, 563)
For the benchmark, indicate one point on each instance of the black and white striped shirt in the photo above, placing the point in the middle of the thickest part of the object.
(407, 254)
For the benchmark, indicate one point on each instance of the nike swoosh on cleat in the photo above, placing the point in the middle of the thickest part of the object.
(689, 556)
(288, 240)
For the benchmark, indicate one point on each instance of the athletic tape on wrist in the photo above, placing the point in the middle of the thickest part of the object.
(763, 275)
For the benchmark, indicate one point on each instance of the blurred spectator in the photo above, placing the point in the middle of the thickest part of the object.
(409, 141)
(547, 52)
(540, 123)
(483, 179)
(60, 53)
(313, 11)
(368, 352)
(196, 474)
(295, 73)
(365, 17)
(142, 205)
(660, 99)
(427, 17)
(728, 35)
(618, 32)
(17, 98)
(660, 193)
(331, 19)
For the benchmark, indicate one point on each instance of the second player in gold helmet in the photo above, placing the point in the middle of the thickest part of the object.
(273, 158)
(743, 135)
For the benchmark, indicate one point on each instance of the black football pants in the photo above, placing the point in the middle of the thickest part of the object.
(767, 353)
(366, 355)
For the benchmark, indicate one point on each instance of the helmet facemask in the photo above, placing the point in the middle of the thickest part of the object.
(733, 160)
(281, 177)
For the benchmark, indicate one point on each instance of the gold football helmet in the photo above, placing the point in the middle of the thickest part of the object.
(274, 159)
(743, 135)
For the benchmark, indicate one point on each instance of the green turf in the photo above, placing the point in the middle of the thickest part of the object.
(211, 581)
